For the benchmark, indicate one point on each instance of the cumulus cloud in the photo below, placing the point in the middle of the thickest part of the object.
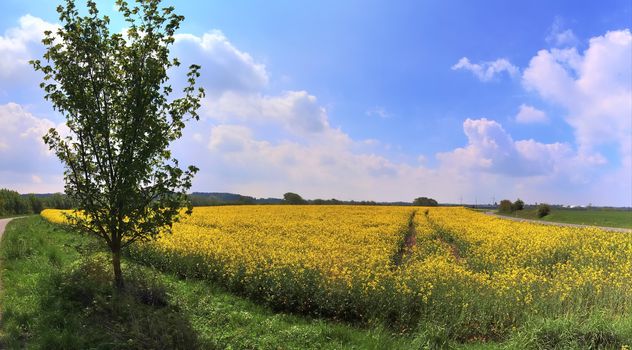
(331, 167)
(296, 111)
(491, 149)
(486, 71)
(19, 128)
(560, 36)
(594, 87)
(224, 67)
(230, 139)
(529, 115)
(233, 158)
(25, 161)
(19, 45)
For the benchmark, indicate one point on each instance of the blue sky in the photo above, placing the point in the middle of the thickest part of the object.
(377, 100)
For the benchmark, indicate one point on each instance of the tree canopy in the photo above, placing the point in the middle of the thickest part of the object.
(293, 198)
(425, 202)
(518, 204)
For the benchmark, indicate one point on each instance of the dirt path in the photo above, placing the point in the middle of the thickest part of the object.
(613, 229)
(3, 225)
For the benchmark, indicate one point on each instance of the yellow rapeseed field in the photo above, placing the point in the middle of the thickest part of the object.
(478, 275)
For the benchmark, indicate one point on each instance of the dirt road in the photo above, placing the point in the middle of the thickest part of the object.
(613, 229)
(3, 225)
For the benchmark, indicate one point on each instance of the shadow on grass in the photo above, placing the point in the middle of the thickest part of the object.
(78, 309)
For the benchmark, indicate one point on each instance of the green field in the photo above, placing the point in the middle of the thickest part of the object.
(595, 217)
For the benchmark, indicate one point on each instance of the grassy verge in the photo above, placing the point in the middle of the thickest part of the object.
(594, 217)
(57, 294)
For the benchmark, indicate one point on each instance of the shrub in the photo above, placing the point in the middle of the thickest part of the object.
(518, 204)
(543, 210)
(505, 206)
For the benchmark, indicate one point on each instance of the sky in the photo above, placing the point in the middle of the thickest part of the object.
(461, 101)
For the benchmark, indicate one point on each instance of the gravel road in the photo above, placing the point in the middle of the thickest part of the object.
(3, 225)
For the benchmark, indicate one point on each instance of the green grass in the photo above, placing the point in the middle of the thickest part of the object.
(57, 294)
(594, 217)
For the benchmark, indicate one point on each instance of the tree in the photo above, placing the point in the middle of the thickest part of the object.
(12, 203)
(543, 210)
(113, 90)
(36, 204)
(293, 198)
(518, 204)
(505, 206)
(58, 201)
(425, 202)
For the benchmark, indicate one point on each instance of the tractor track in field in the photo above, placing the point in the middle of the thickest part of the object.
(446, 239)
(410, 240)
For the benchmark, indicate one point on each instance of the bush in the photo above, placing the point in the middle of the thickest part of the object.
(518, 204)
(505, 206)
(543, 210)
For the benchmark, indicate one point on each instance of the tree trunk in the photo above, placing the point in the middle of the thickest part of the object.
(116, 264)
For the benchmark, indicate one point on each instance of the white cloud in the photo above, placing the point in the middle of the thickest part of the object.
(20, 128)
(486, 71)
(230, 139)
(529, 114)
(224, 67)
(19, 45)
(297, 111)
(491, 149)
(24, 158)
(560, 36)
(327, 168)
(232, 158)
(594, 87)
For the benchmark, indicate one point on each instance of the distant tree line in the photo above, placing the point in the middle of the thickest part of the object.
(199, 199)
(13, 203)
(294, 199)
